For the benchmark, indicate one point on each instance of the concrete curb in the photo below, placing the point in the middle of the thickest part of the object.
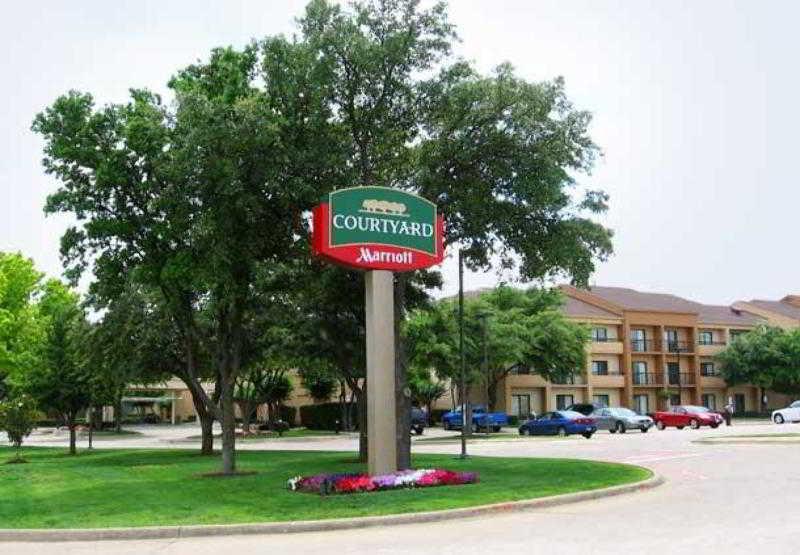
(175, 532)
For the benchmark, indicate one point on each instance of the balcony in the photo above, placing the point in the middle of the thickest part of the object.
(571, 380)
(680, 378)
(607, 380)
(710, 348)
(611, 346)
(644, 346)
(678, 347)
(645, 378)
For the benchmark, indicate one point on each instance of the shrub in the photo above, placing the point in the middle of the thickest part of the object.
(288, 414)
(513, 420)
(18, 419)
(324, 415)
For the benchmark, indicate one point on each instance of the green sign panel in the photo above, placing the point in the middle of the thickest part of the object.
(384, 216)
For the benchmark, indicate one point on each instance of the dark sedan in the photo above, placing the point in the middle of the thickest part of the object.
(559, 423)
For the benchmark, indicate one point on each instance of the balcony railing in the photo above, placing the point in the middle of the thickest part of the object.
(711, 343)
(645, 378)
(679, 346)
(680, 378)
(642, 345)
(569, 380)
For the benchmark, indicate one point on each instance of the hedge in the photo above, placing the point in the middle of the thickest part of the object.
(323, 416)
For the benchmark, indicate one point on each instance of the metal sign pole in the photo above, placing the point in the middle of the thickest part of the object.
(381, 423)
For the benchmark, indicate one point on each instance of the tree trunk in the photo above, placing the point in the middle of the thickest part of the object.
(246, 408)
(72, 443)
(402, 394)
(228, 427)
(118, 413)
(491, 396)
(207, 433)
(91, 426)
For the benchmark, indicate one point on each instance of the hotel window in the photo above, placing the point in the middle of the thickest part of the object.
(707, 369)
(639, 373)
(563, 401)
(710, 401)
(600, 367)
(638, 340)
(600, 335)
(706, 338)
(602, 400)
(521, 405)
(641, 404)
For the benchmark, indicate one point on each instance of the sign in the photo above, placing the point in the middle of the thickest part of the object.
(378, 228)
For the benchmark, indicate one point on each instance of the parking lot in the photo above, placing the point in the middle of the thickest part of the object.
(732, 498)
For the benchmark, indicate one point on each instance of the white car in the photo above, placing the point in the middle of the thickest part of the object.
(789, 414)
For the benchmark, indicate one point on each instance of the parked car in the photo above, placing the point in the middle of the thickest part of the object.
(419, 420)
(585, 409)
(681, 416)
(481, 419)
(561, 423)
(620, 419)
(789, 414)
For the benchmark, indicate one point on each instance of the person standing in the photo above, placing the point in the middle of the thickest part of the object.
(729, 408)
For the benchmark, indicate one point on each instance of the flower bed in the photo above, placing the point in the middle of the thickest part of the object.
(325, 484)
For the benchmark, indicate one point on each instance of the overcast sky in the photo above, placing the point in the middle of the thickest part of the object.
(695, 107)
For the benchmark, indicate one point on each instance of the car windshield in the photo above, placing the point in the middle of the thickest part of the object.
(623, 412)
(694, 409)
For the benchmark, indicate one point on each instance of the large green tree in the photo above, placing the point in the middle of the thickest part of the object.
(505, 328)
(61, 381)
(21, 331)
(767, 357)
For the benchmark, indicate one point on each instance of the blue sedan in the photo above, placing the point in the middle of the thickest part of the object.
(559, 423)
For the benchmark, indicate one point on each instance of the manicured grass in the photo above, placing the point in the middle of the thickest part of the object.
(293, 432)
(106, 488)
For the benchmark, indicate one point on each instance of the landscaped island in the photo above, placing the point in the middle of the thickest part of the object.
(121, 488)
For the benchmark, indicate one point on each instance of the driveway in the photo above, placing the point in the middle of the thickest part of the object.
(729, 498)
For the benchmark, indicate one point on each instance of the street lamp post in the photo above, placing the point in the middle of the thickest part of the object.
(484, 333)
(463, 362)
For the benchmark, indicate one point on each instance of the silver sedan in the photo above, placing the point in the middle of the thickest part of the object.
(619, 419)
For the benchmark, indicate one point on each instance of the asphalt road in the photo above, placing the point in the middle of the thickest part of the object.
(726, 498)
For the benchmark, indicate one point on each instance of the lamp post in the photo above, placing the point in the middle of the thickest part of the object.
(462, 361)
(484, 334)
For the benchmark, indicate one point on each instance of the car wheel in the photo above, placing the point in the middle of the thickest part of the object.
(612, 430)
(694, 424)
(660, 425)
(496, 429)
(644, 429)
(779, 419)
(680, 427)
(588, 435)
(562, 431)
(621, 427)
(524, 432)
(714, 426)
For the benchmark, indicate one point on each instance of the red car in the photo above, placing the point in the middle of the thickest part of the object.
(687, 415)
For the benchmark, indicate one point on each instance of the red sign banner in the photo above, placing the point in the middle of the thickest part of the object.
(378, 228)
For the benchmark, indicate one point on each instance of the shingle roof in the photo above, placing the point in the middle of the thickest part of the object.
(630, 299)
(719, 314)
(576, 308)
(778, 307)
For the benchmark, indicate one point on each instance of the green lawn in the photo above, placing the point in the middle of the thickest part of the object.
(163, 487)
